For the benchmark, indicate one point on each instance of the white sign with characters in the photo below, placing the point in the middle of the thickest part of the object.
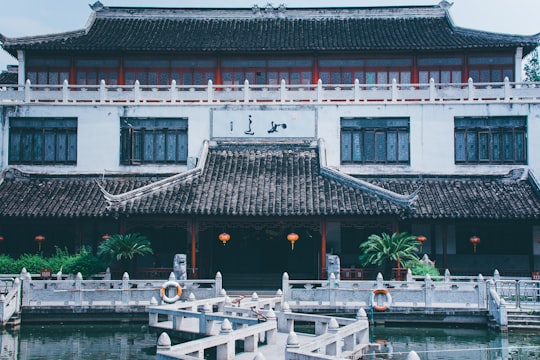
(263, 124)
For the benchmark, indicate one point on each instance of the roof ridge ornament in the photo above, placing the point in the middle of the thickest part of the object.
(405, 201)
(157, 185)
(96, 6)
(445, 4)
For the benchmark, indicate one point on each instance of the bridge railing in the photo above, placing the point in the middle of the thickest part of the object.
(426, 293)
(520, 294)
(10, 299)
(280, 93)
(106, 292)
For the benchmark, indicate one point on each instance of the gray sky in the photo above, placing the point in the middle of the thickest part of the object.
(39, 17)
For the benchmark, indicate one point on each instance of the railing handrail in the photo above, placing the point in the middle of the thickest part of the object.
(253, 93)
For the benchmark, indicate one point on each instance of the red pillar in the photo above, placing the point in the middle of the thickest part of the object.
(193, 231)
(323, 249)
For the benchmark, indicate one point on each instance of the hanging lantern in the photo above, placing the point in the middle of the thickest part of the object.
(224, 237)
(292, 237)
(1, 238)
(39, 239)
(105, 237)
(422, 239)
(475, 240)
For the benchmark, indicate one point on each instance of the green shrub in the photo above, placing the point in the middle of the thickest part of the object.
(32, 262)
(58, 260)
(85, 263)
(8, 265)
(419, 268)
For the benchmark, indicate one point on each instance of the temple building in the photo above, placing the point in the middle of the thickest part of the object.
(291, 132)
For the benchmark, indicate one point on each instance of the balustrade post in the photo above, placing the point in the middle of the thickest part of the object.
(205, 325)
(226, 351)
(285, 286)
(518, 295)
(102, 91)
(482, 296)
(431, 90)
(152, 318)
(271, 335)
(292, 343)
(125, 288)
(78, 288)
(65, 91)
(506, 89)
(177, 322)
(164, 342)
(218, 285)
(137, 91)
(17, 285)
(2, 309)
(172, 92)
(334, 347)
(356, 90)
(503, 314)
(321, 327)
(319, 91)
(394, 90)
(26, 279)
(428, 290)
(285, 324)
(362, 337)
(210, 91)
(27, 91)
(246, 90)
(447, 276)
(282, 91)
(470, 88)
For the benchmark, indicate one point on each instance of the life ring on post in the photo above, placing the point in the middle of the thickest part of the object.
(386, 304)
(164, 288)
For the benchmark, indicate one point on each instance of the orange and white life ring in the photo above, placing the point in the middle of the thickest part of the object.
(386, 303)
(163, 291)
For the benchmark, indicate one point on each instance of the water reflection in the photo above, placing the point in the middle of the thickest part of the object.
(134, 341)
(455, 344)
(80, 341)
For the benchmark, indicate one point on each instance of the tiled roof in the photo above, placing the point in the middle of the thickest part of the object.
(186, 30)
(8, 77)
(260, 180)
(268, 180)
(514, 196)
(37, 196)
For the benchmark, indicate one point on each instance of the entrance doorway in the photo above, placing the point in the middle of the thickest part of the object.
(257, 258)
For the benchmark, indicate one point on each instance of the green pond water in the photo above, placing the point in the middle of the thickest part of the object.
(135, 341)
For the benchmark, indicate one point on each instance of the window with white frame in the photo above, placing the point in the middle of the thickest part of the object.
(42, 141)
(153, 140)
(375, 141)
(490, 140)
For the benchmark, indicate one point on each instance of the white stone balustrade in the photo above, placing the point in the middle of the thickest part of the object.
(282, 93)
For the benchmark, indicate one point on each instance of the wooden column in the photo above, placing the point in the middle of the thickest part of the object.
(444, 232)
(323, 249)
(193, 231)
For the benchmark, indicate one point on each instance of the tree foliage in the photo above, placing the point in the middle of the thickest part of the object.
(532, 67)
(124, 247)
(398, 248)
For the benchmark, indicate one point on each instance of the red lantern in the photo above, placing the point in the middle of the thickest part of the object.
(105, 237)
(39, 239)
(224, 237)
(292, 237)
(475, 240)
(1, 238)
(422, 239)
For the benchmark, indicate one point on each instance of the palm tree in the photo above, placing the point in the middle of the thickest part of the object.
(385, 249)
(123, 248)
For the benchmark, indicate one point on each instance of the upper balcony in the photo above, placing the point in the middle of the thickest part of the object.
(319, 93)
